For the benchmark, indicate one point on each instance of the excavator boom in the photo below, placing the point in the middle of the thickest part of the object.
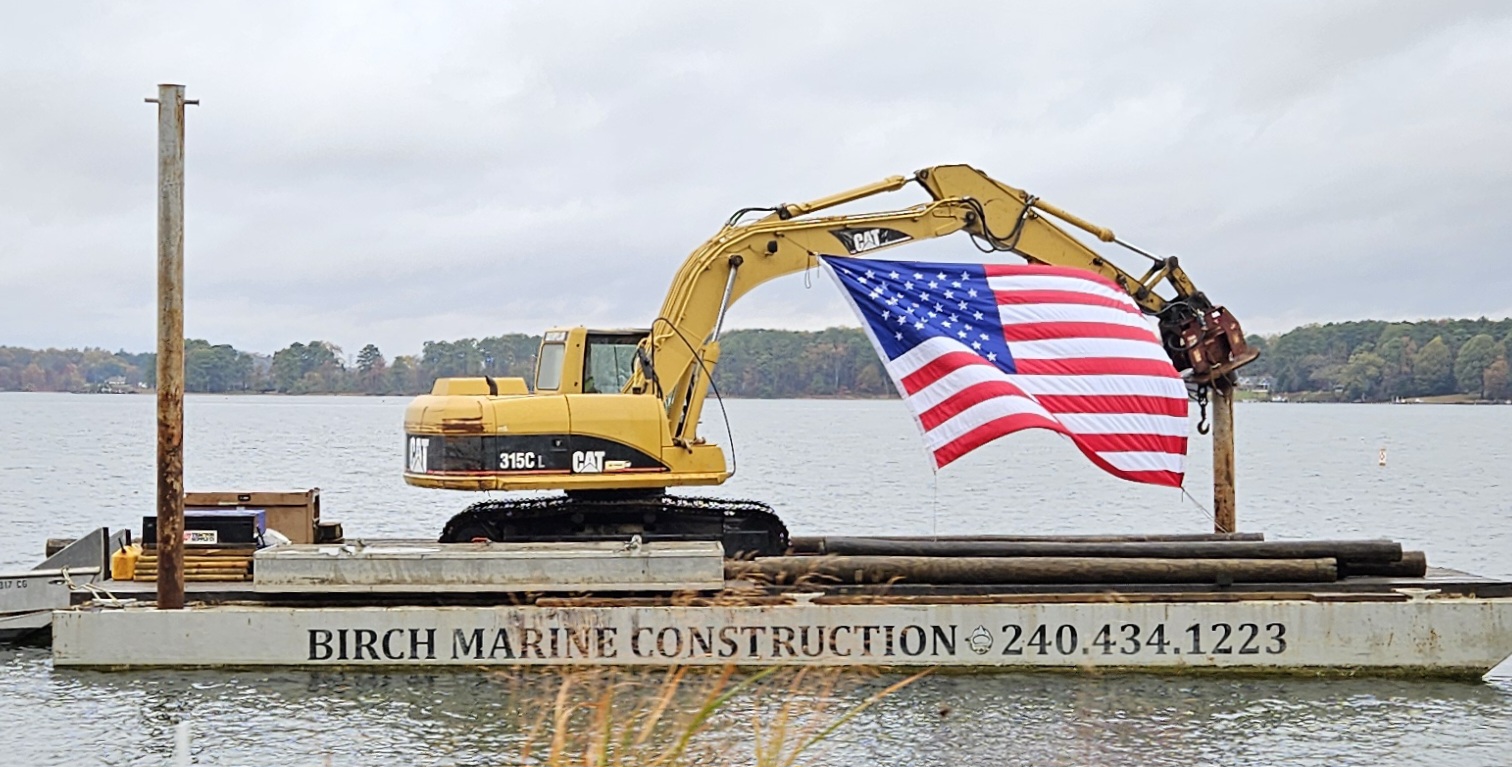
(1200, 337)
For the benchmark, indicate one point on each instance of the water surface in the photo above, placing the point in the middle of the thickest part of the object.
(72, 462)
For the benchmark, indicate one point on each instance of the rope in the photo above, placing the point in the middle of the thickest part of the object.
(99, 594)
(934, 516)
(1211, 517)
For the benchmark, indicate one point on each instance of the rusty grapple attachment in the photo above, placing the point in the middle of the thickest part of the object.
(1212, 345)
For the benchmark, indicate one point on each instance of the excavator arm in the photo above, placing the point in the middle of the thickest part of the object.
(677, 357)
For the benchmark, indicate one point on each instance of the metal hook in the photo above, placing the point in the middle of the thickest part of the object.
(1202, 419)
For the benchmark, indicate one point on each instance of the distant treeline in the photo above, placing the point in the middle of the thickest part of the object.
(1376, 361)
(838, 362)
(1369, 360)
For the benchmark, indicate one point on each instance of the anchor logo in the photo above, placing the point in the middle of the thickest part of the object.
(980, 640)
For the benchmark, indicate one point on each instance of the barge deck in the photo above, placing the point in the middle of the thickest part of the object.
(397, 605)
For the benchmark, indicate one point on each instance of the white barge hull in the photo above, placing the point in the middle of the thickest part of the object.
(1434, 636)
(28, 599)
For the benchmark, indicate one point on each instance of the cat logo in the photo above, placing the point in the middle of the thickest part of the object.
(419, 455)
(588, 461)
(863, 240)
(868, 239)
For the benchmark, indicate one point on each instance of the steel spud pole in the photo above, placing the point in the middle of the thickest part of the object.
(170, 348)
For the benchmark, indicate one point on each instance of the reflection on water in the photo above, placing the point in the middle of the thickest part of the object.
(70, 462)
(467, 718)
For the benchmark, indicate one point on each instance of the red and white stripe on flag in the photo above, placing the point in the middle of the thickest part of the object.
(1085, 363)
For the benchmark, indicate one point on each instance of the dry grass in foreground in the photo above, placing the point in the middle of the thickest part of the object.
(679, 716)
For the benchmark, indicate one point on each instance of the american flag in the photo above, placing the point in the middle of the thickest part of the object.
(983, 350)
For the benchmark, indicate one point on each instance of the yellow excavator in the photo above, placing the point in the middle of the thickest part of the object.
(613, 420)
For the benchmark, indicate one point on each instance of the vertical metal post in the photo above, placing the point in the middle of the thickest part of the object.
(1221, 397)
(170, 348)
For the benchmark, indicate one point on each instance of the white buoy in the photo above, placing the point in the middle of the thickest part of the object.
(1382, 460)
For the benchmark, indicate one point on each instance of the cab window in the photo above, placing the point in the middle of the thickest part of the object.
(609, 361)
(549, 367)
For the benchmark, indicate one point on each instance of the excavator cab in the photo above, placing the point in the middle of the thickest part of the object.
(564, 363)
(582, 361)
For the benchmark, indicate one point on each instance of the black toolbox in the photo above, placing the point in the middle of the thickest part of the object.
(215, 527)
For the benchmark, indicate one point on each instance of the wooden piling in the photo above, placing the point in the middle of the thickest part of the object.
(817, 544)
(1030, 570)
(1381, 552)
(1221, 398)
(1413, 564)
(170, 347)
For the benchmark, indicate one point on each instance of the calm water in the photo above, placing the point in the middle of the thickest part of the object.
(69, 463)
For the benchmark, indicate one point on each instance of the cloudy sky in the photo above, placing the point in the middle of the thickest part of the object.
(390, 173)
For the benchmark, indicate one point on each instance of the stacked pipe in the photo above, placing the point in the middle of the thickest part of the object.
(999, 560)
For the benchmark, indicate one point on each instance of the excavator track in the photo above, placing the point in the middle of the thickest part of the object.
(745, 528)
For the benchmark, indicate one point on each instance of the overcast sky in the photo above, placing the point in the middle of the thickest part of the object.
(391, 173)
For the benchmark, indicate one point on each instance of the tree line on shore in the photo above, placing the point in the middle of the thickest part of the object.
(755, 363)
(1375, 361)
(1366, 360)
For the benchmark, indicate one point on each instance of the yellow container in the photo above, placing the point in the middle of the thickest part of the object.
(123, 562)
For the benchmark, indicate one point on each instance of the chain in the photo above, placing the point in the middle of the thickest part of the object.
(1202, 403)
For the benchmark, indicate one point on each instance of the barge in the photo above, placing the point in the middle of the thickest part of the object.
(1213, 602)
